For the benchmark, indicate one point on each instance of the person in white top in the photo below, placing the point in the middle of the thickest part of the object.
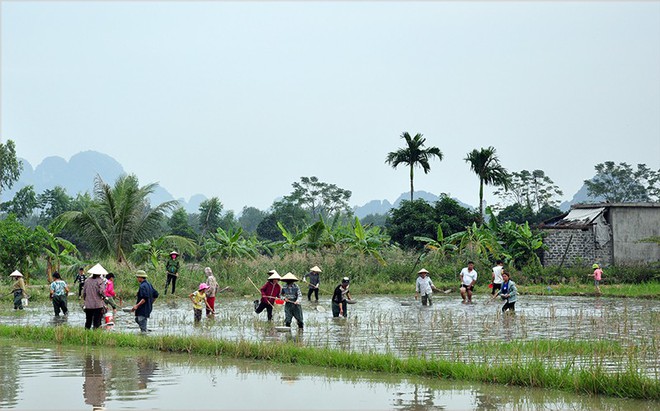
(497, 276)
(424, 287)
(468, 280)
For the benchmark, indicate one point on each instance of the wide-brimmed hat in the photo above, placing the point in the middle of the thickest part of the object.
(16, 273)
(141, 273)
(271, 272)
(315, 269)
(423, 270)
(595, 266)
(203, 286)
(97, 270)
(275, 276)
(289, 277)
(173, 252)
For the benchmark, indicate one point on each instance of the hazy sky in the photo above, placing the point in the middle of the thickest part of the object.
(239, 100)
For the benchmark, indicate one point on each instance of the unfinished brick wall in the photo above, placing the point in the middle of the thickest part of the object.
(580, 248)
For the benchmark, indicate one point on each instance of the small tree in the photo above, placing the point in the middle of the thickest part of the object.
(487, 167)
(619, 183)
(10, 167)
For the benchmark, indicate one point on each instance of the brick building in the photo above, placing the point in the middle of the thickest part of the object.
(607, 234)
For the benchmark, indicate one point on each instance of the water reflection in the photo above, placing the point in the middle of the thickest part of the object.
(93, 388)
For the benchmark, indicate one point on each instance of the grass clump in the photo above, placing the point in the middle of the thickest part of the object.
(592, 379)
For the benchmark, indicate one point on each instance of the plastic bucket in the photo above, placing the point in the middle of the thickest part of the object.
(279, 301)
(109, 320)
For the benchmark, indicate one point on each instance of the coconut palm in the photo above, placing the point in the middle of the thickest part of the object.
(119, 217)
(487, 167)
(414, 154)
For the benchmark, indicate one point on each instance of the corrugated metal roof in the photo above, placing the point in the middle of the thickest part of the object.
(577, 218)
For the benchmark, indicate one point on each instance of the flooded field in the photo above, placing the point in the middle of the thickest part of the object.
(35, 376)
(393, 324)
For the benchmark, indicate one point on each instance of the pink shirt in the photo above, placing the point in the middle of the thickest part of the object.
(110, 289)
(598, 273)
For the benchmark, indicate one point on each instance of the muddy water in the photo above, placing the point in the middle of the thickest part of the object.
(64, 378)
(389, 324)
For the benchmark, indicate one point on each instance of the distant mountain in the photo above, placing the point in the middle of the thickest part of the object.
(77, 176)
(383, 206)
(581, 196)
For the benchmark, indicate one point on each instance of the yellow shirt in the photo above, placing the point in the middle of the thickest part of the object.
(198, 300)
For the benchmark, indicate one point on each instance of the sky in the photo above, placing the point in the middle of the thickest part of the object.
(240, 99)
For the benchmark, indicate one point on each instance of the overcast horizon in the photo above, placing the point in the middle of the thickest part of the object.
(240, 100)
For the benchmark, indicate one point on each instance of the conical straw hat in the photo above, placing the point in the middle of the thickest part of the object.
(289, 277)
(316, 269)
(98, 270)
(16, 273)
(275, 276)
(423, 270)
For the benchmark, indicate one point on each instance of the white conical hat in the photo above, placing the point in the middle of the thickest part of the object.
(273, 272)
(98, 270)
(290, 277)
(316, 269)
(275, 276)
(423, 270)
(16, 273)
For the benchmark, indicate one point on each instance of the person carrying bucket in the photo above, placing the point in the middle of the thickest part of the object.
(18, 289)
(269, 292)
(598, 275)
(340, 298)
(424, 287)
(292, 297)
(58, 293)
(197, 298)
(314, 282)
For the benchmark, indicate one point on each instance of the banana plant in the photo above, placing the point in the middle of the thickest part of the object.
(229, 245)
(156, 250)
(438, 245)
(57, 249)
(367, 242)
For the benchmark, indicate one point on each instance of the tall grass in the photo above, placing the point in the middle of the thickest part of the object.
(592, 380)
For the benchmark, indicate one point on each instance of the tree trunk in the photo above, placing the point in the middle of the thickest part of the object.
(49, 269)
(412, 189)
(481, 200)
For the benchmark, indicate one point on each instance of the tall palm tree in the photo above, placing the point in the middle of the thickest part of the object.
(414, 154)
(119, 217)
(487, 167)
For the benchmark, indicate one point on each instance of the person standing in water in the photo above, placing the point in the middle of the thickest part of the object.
(508, 292)
(468, 277)
(80, 279)
(211, 291)
(314, 283)
(145, 299)
(269, 292)
(292, 297)
(598, 275)
(497, 276)
(18, 289)
(340, 297)
(58, 293)
(424, 287)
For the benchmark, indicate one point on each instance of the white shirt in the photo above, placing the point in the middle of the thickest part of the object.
(497, 273)
(468, 276)
(423, 285)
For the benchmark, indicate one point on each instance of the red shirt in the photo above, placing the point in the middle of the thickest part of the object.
(270, 289)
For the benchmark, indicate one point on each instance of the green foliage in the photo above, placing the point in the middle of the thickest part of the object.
(250, 218)
(179, 224)
(23, 203)
(10, 167)
(367, 242)
(319, 199)
(52, 203)
(209, 215)
(413, 155)
(156, 250)
(530, 190)
(453, 216)
(374, 219)
(57, 249)
(438, 244)
(290, 215)
(118, 218)
(412, 218)
(477, 242)
(21, 246)
(619, 183)
(487, 167)
(229, 245)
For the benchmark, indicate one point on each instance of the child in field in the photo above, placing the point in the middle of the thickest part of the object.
(197, 298)
(598, 275)
(110, 293)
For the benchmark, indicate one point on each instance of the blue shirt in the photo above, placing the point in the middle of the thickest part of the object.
(149, 294)
(58, 287)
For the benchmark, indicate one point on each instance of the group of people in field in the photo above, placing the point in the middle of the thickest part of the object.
(96, 288)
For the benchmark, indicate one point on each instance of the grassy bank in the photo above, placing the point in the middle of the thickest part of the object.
(590, 380)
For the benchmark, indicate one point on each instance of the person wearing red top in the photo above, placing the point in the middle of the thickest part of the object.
(110, 293)
(269, 292)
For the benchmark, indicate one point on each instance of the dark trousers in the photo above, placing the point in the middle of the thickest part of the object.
(314, 291)
(265, 306)
(93, 317)
(170, 278)
(59, 303)
(335, 309)
(80, 287)
(198, 314)
(292, 310)
(426, 300)
(18, 296)
(509, 306)
(496, 287)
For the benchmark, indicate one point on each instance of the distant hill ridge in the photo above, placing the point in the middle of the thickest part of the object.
(77, 176)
